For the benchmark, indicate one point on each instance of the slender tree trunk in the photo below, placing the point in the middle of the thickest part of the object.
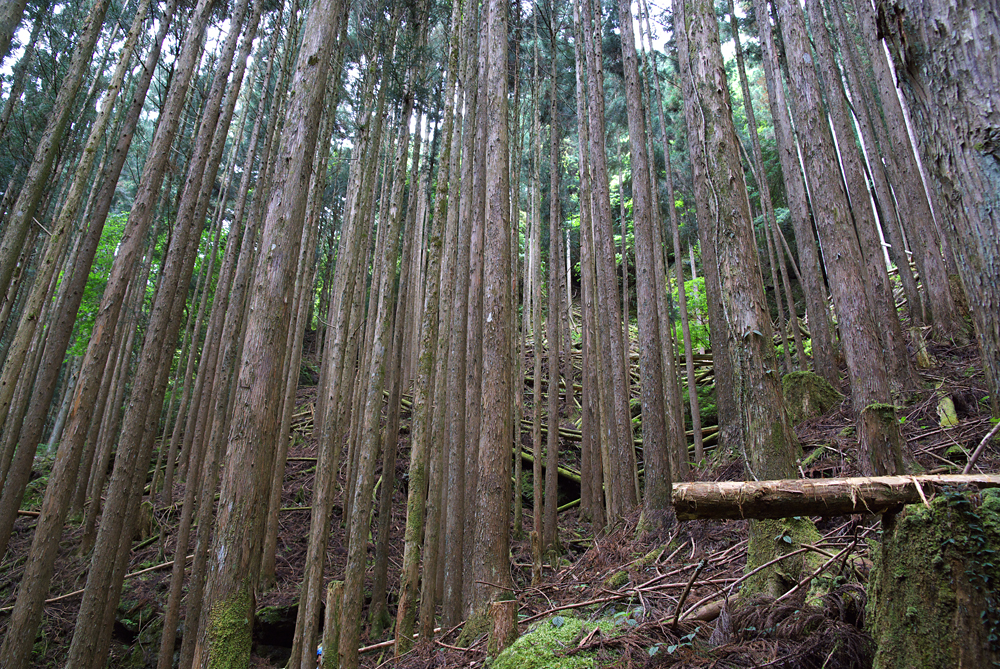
(768, 443)
(620, 478)
(476, 339)
(451, 581)
(550, 529)
(493, 482)
(911, 194)
(901, 374)
(369, 428)
(432, 345)
(660, 436)
(817, 306)
(459, 503)
(62, 478)
(34, 187)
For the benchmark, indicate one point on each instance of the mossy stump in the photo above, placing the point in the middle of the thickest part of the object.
(933, 588)
(808, 395)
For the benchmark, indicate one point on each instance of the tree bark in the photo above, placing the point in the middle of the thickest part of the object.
(240, 525)
(878, 434)
(620, 477)
(492, 573)
(955, 119)
(659, 435)
(550, 525)
(35, 182)
(817, 306)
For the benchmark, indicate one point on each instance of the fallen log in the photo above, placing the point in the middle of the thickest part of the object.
(812, 497)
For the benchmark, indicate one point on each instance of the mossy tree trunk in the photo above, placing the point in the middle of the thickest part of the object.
(933, 588)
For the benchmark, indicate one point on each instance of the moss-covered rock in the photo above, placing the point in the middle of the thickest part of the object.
(543, 645)
(808, 395)
(933, 599)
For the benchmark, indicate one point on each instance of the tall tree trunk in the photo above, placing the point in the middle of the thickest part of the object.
(695, 409)
(381, 356)
(38, 572)
(659, 435)
(763, 188)
(492, 561)
(901, 374)
(591, 485)
(455, 575)
(35, 182)
(817, 306)
(767, 440)
(924, 220)
(955, 118)
(620, 479)
(240, 525)
(433, 347)
(549, 534)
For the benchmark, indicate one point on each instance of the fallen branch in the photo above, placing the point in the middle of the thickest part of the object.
(811, 497)
(979, 449)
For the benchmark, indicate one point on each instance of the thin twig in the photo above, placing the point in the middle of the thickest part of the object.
(687, 589)
(813, 575)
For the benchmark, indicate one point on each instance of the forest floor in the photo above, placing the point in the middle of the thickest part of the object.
(635, 582)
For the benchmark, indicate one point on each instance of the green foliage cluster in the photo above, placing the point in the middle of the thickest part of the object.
(99, 273)
(697, 307)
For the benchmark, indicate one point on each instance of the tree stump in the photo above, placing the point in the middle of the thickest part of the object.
(503, 629)
(331, 624)
(933, 585)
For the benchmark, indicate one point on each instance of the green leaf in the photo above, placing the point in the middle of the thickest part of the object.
(558, 621)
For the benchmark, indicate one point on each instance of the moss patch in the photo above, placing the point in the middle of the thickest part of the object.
(770, 539)
(932, 598)
(230, 631)
(808, 395)
(543, 645)
(475, 627)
